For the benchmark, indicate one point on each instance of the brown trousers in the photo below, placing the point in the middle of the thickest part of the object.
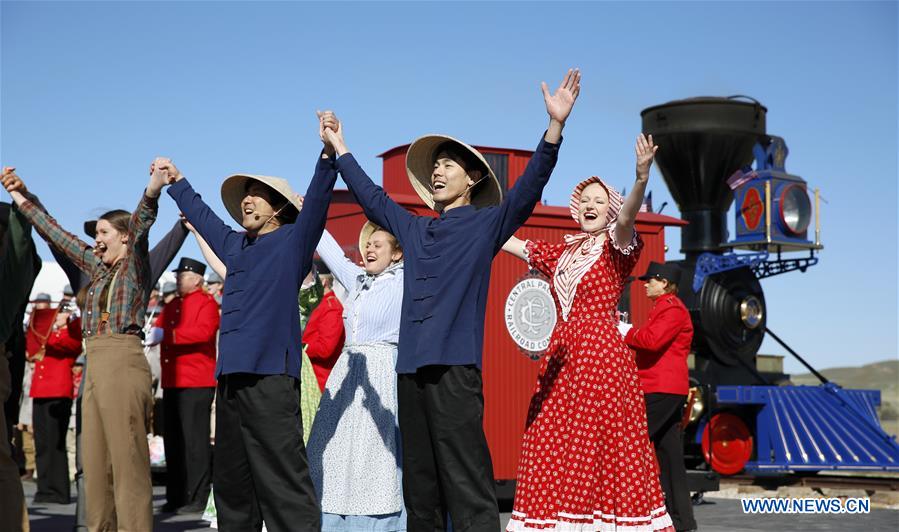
(12, 498)
(115, 412)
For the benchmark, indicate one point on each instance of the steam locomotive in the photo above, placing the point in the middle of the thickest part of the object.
(741, 415)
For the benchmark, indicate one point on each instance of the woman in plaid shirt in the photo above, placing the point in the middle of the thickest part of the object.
(117, 402)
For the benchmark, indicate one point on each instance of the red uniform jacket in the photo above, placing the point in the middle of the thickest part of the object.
(324, 336)
(662, 346)
(190, 324)
(52, 377)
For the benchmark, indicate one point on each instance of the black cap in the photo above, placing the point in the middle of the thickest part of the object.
(670, 272)
(90, 228)
(190, 265)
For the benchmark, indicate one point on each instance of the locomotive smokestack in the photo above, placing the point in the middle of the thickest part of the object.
(702, 142)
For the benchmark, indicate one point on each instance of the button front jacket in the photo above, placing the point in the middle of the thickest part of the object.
(662, 345)
(187, 352)
(447, 261)
(52, 378)
(260, 325)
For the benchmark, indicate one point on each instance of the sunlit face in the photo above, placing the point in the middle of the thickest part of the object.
(655, 287)
(188, 282)
(450, 182)
(41, 305)
(593, 208)
(109, 243)
(256, 206)
(380, 253)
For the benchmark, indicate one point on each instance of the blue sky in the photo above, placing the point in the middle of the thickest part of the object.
(91, 92)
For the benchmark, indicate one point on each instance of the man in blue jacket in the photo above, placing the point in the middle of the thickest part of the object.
(260, 471)
(446, 461)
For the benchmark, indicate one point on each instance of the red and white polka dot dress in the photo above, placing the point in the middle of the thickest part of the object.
(586, 461)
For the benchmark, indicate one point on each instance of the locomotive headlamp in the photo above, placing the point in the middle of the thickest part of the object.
(795, 208)
(774, 210)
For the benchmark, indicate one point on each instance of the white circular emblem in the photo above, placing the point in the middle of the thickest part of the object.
(531, 315)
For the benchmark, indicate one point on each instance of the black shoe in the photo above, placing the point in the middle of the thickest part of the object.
(169, 508)
(41, 498)
(192, 508)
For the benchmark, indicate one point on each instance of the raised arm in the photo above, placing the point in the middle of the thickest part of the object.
(211, 258)
(77, 251)
(216, 233)
(624, 227)
(519, 203)
(376, 204)
(76, 277)
(311, 220)
(162, 253)
(145, 214)
(516, 247)
(334, 258)
(560, 103)
(19, 266)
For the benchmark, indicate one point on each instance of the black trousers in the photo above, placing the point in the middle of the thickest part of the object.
(188, 454)
(663, 414)
(260, 467)
(51, 423)
(446, 461)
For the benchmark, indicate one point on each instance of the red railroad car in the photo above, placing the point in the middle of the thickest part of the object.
(509, 375)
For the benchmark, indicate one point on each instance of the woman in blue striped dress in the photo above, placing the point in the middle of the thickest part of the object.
(354, 454)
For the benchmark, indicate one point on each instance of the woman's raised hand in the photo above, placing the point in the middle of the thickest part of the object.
(169, 172)
(645, 150)
(187, 225)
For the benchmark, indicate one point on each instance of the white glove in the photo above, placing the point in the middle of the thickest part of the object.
(155, 336)
(624, 327)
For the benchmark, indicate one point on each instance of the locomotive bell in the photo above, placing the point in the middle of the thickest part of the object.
(695, 406)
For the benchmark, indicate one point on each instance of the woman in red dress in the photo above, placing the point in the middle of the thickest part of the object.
(586, 461)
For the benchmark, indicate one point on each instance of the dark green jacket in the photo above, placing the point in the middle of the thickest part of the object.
(19, 266)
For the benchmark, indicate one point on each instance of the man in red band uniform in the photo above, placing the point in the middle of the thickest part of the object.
(662, 345)
(190, 323)
(324, 334)
(51, 390)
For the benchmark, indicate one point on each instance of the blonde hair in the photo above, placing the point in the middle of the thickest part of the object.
(394, 243)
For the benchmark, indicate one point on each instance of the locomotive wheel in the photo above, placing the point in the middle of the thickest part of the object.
(731, 444)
